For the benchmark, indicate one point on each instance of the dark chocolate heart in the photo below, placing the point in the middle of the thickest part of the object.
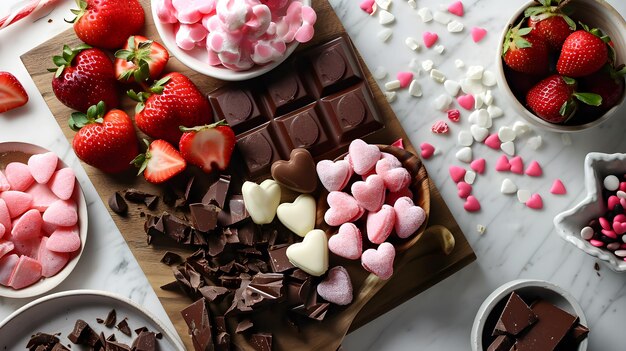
(298, 173)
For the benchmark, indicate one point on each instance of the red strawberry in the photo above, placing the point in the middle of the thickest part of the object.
(107, 23)
(173, 101)
(84, 77)
(105, 141)
(12, 93)
(146, 59)
(526, 52)
(552, 99)
(583, 53)
(608, 83)
(209, 146)
(161, 162)
(550, 22)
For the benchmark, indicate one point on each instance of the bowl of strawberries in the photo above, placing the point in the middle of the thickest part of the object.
(561, 63)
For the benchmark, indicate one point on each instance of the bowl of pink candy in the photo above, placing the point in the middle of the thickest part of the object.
(233, 39)
(43, 220)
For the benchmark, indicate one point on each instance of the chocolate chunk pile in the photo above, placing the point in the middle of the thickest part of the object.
(539, 327)
(45, 342)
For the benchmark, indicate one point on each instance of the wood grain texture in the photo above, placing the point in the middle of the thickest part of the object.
(415, 277)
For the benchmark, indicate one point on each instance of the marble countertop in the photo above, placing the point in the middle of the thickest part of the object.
(518, 242)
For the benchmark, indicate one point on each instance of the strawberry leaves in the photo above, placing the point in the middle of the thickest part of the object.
(140, 57)
(95, 114)
(514, 39)
(141, 161)
(65, 59)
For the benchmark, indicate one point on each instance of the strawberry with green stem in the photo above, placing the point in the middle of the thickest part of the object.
(526, 52)
(551, 21)
(140, 60)
(584, 52)
(209, 147)
(160, 162)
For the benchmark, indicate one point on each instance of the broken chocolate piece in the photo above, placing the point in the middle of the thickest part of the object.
(263, 289)
(139, 330)
(204, 216)
(236, 212)
(171, 258)
(515, 317)
(217, 192)
(196, 316)
(146, 341)
(278, 259)
(42, 339)
(123, 327)
(261, 341)
(573, 338)
(77, 336)
(111, 319)
(552, 325)
(315, 311)
(175, 227)
(501, 343)
(116, 346)
(117, 204)
(222, 338)
(211, 293)
(136, 196)
(244, 325)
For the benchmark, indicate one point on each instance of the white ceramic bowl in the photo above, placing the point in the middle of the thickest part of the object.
(529, 290)
(569, 223)
(597, 14)
(46, 284)
(196, 59)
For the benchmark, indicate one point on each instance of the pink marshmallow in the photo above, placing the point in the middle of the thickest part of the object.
(2, 230)
(27, 226)
(380, 224)
(42, 166)
(4, 183)
(51, 262)
(5, 216)
(6, 247)
(347, 243)
(343, 208)
(391, 198)
(370, 194)
(17, 202)
(42, 196)
(336, 287)
(397, 179)
(61, 213)
(64, 239)
(27, 272)
(363, 156)
(379, 261)
(166, 11)
(18, 175)
(7, 264)
(408, 217)
(334, 175)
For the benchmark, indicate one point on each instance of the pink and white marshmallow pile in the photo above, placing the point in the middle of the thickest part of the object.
(383, 198)
(238, 34)
(38, 220)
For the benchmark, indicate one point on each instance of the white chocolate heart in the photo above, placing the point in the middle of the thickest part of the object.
(311, 255)
(261, 200)
(298, 216)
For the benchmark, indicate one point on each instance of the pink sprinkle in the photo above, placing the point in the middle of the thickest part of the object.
(454, 115)
(604, 223)
(367, 6)
(471, 204)
(558, 188)
(398, 143)
(622, 186)
(620, 218)
(429, 38)
(534, 169)
(478, 165)
(427, 150)
(619, 228)
(478, 34)
(465, 190)
(440, 127)
(405, 78)
(503, 164)
(612, 202)
(456, 8)
(596, 243)
(456, 173)
(535, 202)
(517, 165)
(493, 141)
(611, 234)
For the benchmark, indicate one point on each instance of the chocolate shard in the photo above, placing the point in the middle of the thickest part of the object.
(265, 288)
(235, 213)
(123, 327)
(99, 320)
(552, 326)
(515, 317)
(136, 196)
(316, 311)
(175, 227)
(146, 341)
(261, 341)
(222, 338)
(59, 347)
(151, 201)
(244, 325)
(204, 217)
(501, 343)
(78, 334)
(117, 204)
(171, 258)
(573, 338)
(116, 346)
(196, 316)
(217, 192)
(212, 293)
(278, 259)
(42, 339)
(141, 329)
(111, 319)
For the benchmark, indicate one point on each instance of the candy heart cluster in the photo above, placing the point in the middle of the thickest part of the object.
(38, 220)
(238, 33)
(383, 198)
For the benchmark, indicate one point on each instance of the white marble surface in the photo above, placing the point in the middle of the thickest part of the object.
(518, 243)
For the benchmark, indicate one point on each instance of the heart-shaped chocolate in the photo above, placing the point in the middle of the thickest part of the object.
(297, 174)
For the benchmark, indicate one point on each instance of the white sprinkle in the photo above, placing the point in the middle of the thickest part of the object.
(443, 7)
(613, 246)
(470, 86)
(380, 73)
(439, 49)
(520, 128)
(392, 85)
(473, 117)
(455, 27)
(483, 119)
(523, 195)
(384, 34)
(464, 155)
(508, 187)
(475, 72)
(385, 17)
(535, 142)
(479, 133)
(489, 79)
(478, 101)
(415, 65)
(413, 4)
(621, 194)
(488, 98)
(425, 14)
(437, 76)
(620, 253)
(411, 43)
(495, 111)
(611, 183)
(441, 17)
(465, 138)
(458, 63)
(481, 229)
(415, 89)
(508, 148)
(587, 233)
(383, 4)
(470, 177)
(451, 87)
(567, 141)
(506, 134)
(428, 65)
(390, 96)
(442, 102)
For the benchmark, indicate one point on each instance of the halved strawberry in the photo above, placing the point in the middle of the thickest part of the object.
(160, 163)
(140, 59)
(208, 146)
(12, 93)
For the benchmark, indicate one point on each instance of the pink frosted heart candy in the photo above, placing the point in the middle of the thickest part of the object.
(456, 173)
(368, 174)
(464, 190)
(5, 247)
(408, 217)
(391, 198)
(391, 159)
(308, 15)
(27, 272)
(334, 175)
(405, 78)
(336, 287)
(27, 226)
(534, 169)
(456, 8)
(558, 188)
(18, 175)
(4, 182)
(517, 165)
(619, 228)
(363, 156)
(26, 247)
(454, 115)
(61, 213)
(398, 143)
(385, 165)
(535, 202)
(429, 38)
(471, 204)
(397, 179)
(493, 141)
(62, 183)
(343, 208)
(380, 224)
(347, 242)
(51, 262)
(17, 202)
(5, 217)
(304, 33)
(466, 101)
(612, 202)
(48, 228)
(503, 165)
(478, 34)
(42, 166)
(478, 165)
(65, 239)
(42, 196)
(370, 194)
(2, 230)
(367, 6)
(426, 150)
(7, 264)
(379, 261)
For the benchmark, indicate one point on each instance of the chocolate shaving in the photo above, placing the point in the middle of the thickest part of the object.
(111, 319)
(117, 204)
(217, 192)
(123, 327)
(171, 258)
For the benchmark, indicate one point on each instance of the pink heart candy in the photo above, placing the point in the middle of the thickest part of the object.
(17, 202)
(367, 6)
(619, 228)
(391, 198)
(478, 165)
(612, 202)
(304, 33)
(27, 226)
(456, 173)
(398, 143)
(62, 183)
(363, 156)
(42, 166)
(380, 224)
(6, 247)
(347, 243)
(2, 230)
(42, 196)
(51, 262)
(429, 38)
(426, 150)
(478, 34)
(309, 15)
(397, 179)
(61, 213)
(503, 165)
(493, 141)
(405, 78)
(7, 264)
(65, 239)
(534, 169)
(471, 204)
(379, 261)
(466, 101)
(27, 272)
(18, 175)
(5, 215)
(535, 202)
(334, 175)
(456, 8)
(620, 218)
(370, 194)
(517, 165)
(384, 165)
(343, 208)
(558, 188)
(464, 190)
(336, 287)
(391, 159)
(408, 217)
(4, 182)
